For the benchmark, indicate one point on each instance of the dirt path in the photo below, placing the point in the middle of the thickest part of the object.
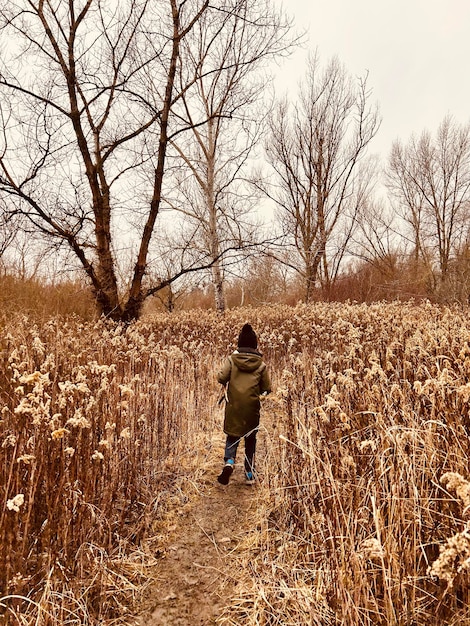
(195, 579)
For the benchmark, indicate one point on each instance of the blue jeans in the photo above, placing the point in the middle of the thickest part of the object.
(231, 447)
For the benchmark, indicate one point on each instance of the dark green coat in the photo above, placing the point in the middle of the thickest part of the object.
(246, 377)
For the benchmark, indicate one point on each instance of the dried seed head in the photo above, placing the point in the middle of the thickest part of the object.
(15, 503)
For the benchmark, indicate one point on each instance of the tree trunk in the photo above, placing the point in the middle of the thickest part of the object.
(310, 276)
(218, 283)
(136, 297)
(214, 242)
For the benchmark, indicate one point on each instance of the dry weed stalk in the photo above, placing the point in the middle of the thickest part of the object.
(454, 554)
(94, 419)
(375, 409)
(371, 409)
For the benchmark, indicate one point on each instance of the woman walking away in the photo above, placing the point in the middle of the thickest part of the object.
(245, 378)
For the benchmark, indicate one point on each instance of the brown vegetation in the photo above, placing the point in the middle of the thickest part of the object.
(42, 299)
(363, 501)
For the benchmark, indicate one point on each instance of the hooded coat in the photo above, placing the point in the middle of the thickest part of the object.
(245, 375)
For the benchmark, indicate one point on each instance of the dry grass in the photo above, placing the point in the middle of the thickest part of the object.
(366, 481)
(95, 425)
(364, 494)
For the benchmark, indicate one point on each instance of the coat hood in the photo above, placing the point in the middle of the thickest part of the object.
(247, 361)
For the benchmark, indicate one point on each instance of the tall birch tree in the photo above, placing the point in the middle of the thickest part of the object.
(315, 147)
(229, 56)
(429, 179)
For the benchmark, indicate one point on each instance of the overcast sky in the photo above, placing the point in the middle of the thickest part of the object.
(417, 53)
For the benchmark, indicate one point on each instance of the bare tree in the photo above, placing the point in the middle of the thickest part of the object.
(88, 101)
(315, 147)
(430, 179)
(229, 56)
(8, 230)
(378, 239)
(174, 261)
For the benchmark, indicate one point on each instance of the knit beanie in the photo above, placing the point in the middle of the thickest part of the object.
(247, 338)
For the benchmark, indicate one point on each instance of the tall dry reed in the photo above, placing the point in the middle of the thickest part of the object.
(95, 420)
(363, 517)
(361, 525)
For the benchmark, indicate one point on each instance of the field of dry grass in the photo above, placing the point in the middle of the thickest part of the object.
(363, 495)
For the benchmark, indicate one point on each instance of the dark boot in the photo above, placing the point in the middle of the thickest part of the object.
(226, 473)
